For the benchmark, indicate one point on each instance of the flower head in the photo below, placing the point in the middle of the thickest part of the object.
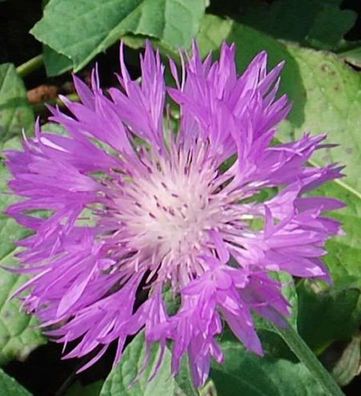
(134, 210)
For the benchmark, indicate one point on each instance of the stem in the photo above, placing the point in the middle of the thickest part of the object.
(29, 66)
(308, 358)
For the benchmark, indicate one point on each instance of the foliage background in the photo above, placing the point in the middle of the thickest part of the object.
(321, 43)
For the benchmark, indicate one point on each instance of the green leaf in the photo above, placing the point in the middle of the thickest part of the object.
(10, 232)
(77, 389)
(243, 373)
(55, 63)
(330, 25)
(124, 379)
(82, 29)
(352, 55)
(333, 106)
(15, 112)
(18, 332)
(184, 381)
(349, 364)
(298, 346)
(344, 252)
(316, 23)
(326, 315)
(209, 389)
(9, 387)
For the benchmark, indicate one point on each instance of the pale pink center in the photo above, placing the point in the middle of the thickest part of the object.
(170, 210)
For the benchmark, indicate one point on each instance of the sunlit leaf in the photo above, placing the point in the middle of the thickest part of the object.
(80, 30)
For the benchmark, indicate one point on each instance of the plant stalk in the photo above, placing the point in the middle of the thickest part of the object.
(30, 65)
(309, 359)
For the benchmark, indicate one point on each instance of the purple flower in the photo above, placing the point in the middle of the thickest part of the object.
(132, 210)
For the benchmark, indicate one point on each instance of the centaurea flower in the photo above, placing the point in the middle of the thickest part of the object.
(124, 219)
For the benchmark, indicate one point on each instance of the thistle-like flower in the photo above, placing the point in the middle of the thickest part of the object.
(133, 210)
